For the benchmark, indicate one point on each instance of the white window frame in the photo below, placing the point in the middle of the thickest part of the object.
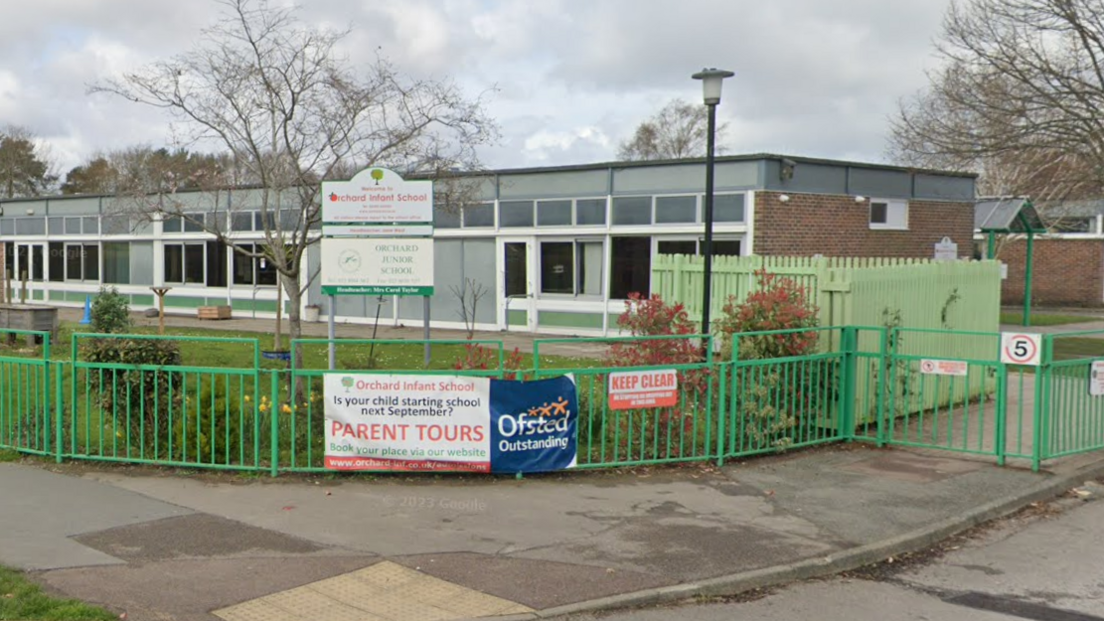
(575, 280)
(897, 206)
(183, 282)
(84, 257)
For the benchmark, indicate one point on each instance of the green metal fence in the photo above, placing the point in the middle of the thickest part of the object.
(872, 384)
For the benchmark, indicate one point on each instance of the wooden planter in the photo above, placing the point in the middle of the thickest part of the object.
(214, 312)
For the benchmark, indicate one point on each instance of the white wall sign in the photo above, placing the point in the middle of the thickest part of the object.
(377, 266)
(377, 196)
(946, 250)
(1021, 348)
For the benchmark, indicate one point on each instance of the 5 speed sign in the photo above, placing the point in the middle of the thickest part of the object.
(1022, 349)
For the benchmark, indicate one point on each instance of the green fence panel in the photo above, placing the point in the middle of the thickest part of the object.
(26, 392)
(165, 414)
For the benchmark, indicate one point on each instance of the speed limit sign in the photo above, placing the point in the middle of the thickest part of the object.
(1020, 348)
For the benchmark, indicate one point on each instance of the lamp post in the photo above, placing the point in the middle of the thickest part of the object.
(712, 81)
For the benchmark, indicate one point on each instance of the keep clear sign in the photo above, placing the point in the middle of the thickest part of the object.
(447, 423)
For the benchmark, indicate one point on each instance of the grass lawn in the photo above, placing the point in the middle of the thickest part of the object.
(8, 455)
(1043, 319)
(22, 600)
(1075, 347)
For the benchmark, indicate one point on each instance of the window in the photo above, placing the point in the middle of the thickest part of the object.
(30, 226)
(7, 227)
(55, 225)
(590, 211)
(116, 225)
(216, 264)
(91, 225)
(676, 209)
(888, 214)
(72, 226)
(264, 221)
(557, 267)
(241, 221)
(515, 214)
(252, 270)
(446, 219)
(82, 262)
(171, 224)
(721, 247)
(194, 223)
(479, 215)
(517, 278)
(728, 208)
(56, 261)
(554, 213)
(632, 210)
(631, 268)
(184, 263)
(571, 267)
(116, 259)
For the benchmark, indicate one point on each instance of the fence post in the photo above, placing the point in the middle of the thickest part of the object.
(46, 391)
(848, 346)
(723, 410)
(884, 383)
(1040, 413)
(274, 392)
(1001, 413)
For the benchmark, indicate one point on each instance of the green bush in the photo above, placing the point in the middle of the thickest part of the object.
(110, 312)
(131, 397)
(212, 428)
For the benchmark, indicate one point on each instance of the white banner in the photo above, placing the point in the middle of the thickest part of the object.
(407, 422)
(377, 195)
(377, 266)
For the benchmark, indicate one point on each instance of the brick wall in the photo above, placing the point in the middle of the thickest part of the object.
(834, 225)
(1064, 272)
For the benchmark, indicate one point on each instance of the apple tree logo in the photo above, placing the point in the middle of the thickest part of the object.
(347, 382)
(349, 260)
(333, 197)
(377, 174)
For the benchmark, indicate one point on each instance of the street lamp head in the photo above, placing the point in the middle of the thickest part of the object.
(712, 79)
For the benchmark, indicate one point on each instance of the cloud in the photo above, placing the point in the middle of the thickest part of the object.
(573, 78)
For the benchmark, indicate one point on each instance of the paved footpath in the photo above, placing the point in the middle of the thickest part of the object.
(167, 545)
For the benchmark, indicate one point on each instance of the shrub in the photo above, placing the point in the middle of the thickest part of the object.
(786, 400)
(138, 397)
(110, 312)
(210, 429)
(476, 357)
(654, 317)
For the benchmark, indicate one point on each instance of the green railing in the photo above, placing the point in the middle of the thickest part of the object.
(169, 414)
(855, 383)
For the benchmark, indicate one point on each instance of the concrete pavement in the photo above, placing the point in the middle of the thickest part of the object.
(187, 546)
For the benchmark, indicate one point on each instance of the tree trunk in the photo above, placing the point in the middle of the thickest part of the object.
(295, 330)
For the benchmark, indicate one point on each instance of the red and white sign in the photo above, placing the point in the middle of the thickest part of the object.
(1021, 348)
(413, 423)
(643, 389)
(944, 367)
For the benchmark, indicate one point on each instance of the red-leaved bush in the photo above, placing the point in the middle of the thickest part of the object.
(778, 304)
(477, 357)
(654, 317)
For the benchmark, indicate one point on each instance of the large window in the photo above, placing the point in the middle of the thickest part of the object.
(515, 214)
(631, 268)
(116, 260)
(728, 208)
(250, 270)
(517, 277)
(82, 262)
(590, 211)
(723, 247)
(571, 267)
(184, 263)
(479, 215)
(554, 213)
(632, 210)
(676, 209)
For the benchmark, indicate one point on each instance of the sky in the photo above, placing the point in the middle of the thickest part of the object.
(566, 80)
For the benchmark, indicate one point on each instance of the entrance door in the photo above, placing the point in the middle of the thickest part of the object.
(30, 265)
(518, 310)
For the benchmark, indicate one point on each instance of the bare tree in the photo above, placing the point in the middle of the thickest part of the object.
(469, 294)
(275, 95)
(1019, 98)
(678, 130)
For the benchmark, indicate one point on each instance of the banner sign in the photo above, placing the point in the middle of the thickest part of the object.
(377, 266)
(1096, 378)
(449, 423)
(533, 425)
(377, 196)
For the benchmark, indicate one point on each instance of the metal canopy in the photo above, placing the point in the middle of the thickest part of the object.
(1007, 215)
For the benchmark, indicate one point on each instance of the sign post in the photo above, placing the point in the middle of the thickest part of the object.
(377, 239)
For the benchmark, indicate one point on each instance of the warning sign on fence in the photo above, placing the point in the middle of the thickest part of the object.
(944, 367)
(1096, 379)
(643, 389)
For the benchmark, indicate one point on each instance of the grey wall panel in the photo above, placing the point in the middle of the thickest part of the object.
(410, 311)
(811, 178)
(554, 184)
(944, 188)
(141, 263)
(314, 291)
(881, 183)
(673, 179)
(479, 265)
(351, 305)
(448, 272)
(59, 207)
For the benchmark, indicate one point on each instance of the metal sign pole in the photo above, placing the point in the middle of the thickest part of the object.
(425, 329)
(331, 333)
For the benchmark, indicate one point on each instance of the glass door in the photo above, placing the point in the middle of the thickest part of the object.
(30, 272)
(518, 312)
